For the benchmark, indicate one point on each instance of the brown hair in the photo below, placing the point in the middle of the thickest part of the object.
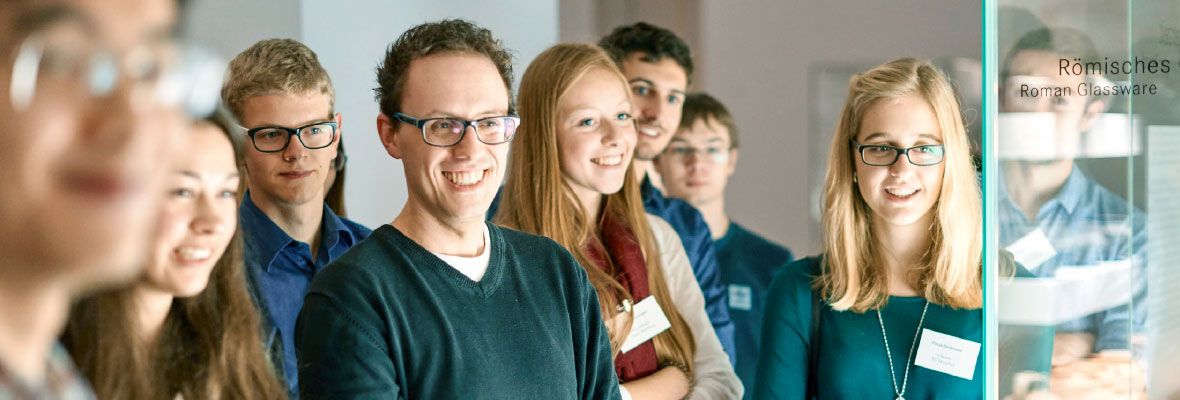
(446, 36)
(951, 270)
(209, 346)
(275, 66)
(703, 107)
(538, 199)
(654, 42)
(335, 196)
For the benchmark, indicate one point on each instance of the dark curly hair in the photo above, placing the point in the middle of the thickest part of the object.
(450, 35)
(655, 42)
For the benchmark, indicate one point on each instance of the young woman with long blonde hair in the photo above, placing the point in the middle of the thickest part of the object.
(900, 277)
(569, 179)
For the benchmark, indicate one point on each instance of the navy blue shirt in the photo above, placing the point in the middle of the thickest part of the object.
(1086, 226)
(698, 243)
(748, 263)
(280, 269)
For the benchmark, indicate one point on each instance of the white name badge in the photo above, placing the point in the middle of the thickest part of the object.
(649, 322)
(1032, 250)
(741, 297)
(947, 354)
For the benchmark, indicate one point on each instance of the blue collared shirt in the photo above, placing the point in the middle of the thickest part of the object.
(1086, 224)
(280, 271)
(698, 243)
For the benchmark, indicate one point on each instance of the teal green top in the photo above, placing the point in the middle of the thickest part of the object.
(852, 362)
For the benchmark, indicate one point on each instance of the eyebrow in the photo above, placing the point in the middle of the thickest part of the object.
(650, 83)
(305, 123)
(923, 135)
(479, 115)
(708, 141)
(195, 175)
(44, 16)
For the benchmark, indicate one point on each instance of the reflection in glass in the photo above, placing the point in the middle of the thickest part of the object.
(1073, 320)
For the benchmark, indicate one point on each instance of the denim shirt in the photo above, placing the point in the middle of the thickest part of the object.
(698, 243)
(1087, 224)
(279, 272)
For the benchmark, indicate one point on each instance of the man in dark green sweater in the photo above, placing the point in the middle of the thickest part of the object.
(439, 304)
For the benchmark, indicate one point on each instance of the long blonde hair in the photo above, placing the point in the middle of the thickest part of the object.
(538, 199)
(950, 272)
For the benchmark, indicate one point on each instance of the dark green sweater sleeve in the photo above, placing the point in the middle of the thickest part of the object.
(340, 354)
(786, 331)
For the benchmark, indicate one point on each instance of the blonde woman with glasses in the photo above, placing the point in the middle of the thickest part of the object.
(892, 308)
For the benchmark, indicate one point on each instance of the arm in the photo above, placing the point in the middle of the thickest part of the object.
(708, 275)
(340, 355)
(714, 377)
(669, 383)
(782, 370)
(1114, 324)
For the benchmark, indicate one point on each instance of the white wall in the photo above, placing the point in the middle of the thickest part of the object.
(230, 26)
(350, 39)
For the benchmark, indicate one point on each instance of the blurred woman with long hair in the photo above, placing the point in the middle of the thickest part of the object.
(187, 327)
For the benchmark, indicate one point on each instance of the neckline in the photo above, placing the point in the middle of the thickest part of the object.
(483, 288)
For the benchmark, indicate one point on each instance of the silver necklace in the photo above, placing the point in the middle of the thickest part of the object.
(892, 375)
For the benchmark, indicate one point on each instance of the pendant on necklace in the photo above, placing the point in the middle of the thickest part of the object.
(900, 398)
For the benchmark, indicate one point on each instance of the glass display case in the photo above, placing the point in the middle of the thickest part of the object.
(1085, 205)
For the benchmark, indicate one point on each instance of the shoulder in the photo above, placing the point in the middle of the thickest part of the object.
(760, 246)
(363, 268)
(526, 244)
(797, 275)
(358, 231)
(683, 217)
(788, 300)
(663, 232)
(539, 254)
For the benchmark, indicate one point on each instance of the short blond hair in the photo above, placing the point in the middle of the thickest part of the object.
(275, 66)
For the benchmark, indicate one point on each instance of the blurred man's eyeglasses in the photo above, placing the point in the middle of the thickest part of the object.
(62, 63)
(712, 154)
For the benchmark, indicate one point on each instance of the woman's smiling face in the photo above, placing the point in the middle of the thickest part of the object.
(595, 133)
(903, 193)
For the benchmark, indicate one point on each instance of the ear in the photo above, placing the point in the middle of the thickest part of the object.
(732, 164)
(387, 131)
(339, 131)
(1095, 108)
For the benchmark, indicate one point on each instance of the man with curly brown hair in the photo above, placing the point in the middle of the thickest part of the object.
(439, 304)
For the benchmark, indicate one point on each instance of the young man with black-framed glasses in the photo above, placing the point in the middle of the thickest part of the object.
(284, 98)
